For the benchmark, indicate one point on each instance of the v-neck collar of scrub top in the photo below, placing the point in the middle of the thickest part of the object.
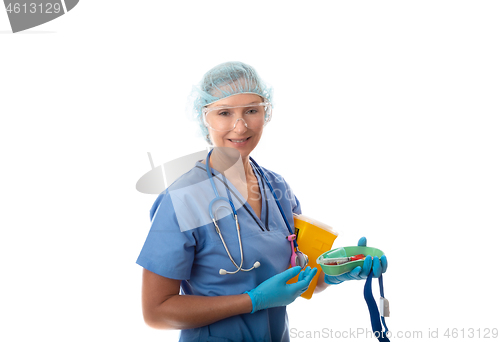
(263, 221)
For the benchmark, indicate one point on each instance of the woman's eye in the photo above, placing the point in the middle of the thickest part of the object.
(224, 113)
(252, 111)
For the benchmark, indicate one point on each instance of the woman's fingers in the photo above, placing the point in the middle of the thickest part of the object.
(362, 242)
(383, 261)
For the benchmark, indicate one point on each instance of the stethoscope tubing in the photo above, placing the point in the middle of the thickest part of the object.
(235, 216)
(263, 175)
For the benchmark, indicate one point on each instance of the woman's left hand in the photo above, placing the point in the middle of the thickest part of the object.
(379, 266)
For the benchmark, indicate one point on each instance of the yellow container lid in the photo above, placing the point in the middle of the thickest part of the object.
(301, 221)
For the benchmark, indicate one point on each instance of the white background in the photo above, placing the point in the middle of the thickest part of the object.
(386, 125)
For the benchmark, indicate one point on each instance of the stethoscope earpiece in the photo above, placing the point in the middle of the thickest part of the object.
(255, 265)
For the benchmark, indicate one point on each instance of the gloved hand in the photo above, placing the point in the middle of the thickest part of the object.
(276, 292)
(379, 267)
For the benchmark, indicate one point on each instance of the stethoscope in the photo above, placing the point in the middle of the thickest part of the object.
(298, 258)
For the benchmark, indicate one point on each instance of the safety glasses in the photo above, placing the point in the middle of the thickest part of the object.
(224, 118)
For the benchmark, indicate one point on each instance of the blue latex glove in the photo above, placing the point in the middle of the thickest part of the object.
(379, 266)
(276, 292)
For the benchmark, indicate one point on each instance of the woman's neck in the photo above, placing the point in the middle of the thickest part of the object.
(234, 166)
(247, 167)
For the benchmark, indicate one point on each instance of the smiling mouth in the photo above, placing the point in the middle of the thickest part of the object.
(238, 140)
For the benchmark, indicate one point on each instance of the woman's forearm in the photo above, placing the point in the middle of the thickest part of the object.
(187, 312)
(321, 285)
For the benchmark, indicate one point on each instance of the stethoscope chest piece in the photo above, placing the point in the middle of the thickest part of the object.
(298, 258)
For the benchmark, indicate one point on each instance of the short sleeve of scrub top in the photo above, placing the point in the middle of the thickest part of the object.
(183, 244)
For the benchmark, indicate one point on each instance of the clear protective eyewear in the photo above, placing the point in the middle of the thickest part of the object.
(224, 118)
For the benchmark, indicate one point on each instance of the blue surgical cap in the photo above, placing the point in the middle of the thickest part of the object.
(225, 80)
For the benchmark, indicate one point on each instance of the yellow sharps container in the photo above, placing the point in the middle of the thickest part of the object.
(314, 238)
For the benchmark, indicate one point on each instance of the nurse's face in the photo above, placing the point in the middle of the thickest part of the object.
(240, 138)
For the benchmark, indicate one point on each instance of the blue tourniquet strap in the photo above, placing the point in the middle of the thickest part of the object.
(372, 307)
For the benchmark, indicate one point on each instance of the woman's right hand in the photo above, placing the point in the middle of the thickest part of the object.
(276, 292)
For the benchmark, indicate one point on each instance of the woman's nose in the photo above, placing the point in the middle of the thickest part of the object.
(240, 126)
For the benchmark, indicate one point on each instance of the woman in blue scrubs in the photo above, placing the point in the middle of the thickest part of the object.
(195, 278)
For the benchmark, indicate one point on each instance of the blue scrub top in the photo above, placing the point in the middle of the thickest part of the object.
(183, 244)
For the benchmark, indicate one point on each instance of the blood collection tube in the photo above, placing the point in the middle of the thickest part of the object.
(340, 261)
